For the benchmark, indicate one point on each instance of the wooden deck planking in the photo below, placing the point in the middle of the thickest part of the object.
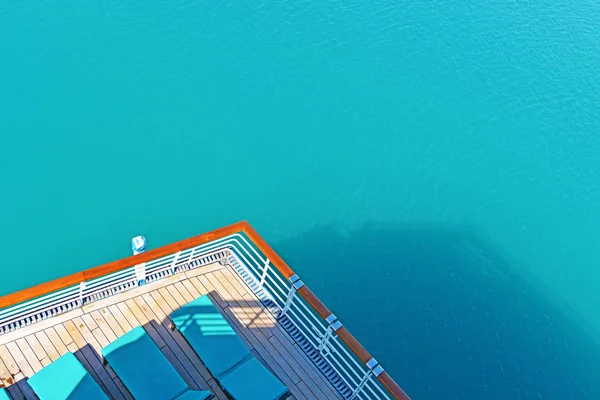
(63, 334)
(77, 327)
(120, 318)
(226, 312)
(251, 297)
(280, 365)
(105, 320)
(19, 358)
(253, 334)
(192, 289)
(254, 313)
(177, 295)
(89, 321)
(5, 376)
(10, 374)
(143, 320)
(267, 321)
(307, 370)
(47, 346)
(267, 324)
(275, 353)
(28, 354)
(211, 289)
(46, 323)
(36, 347)
(9, 362)
(187, 296)
(102, 322)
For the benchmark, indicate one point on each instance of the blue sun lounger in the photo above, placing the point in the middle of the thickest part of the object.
(65, 379)
(241, 375)
(145, 371)
(4, 395)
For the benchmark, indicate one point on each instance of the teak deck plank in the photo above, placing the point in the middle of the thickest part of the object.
(120, 318)
(279, 365)
(64, 335)
(47, 345)
(35, 345)
(25, 357)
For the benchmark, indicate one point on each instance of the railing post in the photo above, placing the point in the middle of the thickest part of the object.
(333, 325)
(140, 274)
(81, 289)
(374, 369)
(174, 262)
(263, 276)
(226, 255)
(296, 284)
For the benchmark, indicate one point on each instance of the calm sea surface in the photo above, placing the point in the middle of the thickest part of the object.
(430, 168)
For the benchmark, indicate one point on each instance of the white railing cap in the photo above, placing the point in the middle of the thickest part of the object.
(378, 370)
(336, 325)
(298, 284)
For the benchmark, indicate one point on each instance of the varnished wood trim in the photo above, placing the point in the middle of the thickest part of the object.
(262, 245)
(356, 347)
(161, 252)
(392, 386)
(243, 226)
(314, 302)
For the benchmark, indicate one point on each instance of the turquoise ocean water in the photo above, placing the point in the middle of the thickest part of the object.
(429, 168)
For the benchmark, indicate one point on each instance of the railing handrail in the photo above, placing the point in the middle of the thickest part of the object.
(242, 226)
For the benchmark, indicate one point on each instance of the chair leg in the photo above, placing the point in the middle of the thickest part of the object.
(104, 362)
(172, 326)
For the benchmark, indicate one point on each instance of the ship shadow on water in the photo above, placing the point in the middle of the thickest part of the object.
(446, 314)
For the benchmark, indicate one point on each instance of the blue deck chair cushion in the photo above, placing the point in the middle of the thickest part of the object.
(4, 395)
(143, 368)
(210, 335)
(253, 381)
(65, 379)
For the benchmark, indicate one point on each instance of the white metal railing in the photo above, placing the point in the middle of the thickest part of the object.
(64, 300)
(316, 336)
